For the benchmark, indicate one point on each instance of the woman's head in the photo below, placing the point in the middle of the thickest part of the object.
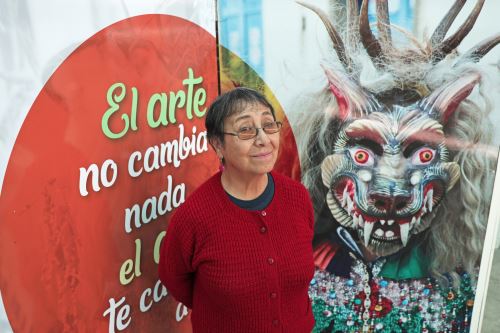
(242, 128)
(229, 104)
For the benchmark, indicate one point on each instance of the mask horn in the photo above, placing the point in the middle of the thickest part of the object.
(444, 101)
(338, 44)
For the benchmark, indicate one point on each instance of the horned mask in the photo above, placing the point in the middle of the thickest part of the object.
(390, 166)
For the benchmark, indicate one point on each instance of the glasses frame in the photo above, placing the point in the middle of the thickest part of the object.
(257, 129)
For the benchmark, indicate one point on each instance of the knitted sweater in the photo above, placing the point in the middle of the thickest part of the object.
(239, 270)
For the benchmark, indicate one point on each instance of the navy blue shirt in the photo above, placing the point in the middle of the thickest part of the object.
(259, 203)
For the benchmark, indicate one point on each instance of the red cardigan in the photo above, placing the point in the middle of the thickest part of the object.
(238, 270)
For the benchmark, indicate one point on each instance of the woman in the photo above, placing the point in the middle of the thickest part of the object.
(238, 252)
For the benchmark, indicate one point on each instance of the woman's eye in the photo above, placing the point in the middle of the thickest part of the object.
(423, 156)
(362, 156)
(244, 129)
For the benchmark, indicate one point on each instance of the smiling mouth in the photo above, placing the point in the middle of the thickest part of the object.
(263, 155)
(385, 228)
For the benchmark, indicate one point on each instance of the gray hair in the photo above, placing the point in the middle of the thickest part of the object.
(228, 104)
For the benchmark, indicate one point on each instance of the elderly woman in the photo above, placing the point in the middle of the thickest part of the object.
(238, 252)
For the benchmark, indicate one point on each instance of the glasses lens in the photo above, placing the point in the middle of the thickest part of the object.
(251, 132)
(247, 133)
(271, 128)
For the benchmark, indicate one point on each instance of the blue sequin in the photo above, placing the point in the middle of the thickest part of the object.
(350, 282)
(405, 302)
(313, 282)
(426, 292)
(332, 295)
(383, 283)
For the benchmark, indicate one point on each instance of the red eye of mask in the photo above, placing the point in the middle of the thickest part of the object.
(426, 155)
(423, 156)
(361, 156)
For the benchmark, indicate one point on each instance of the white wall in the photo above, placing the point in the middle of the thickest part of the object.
(295, 43)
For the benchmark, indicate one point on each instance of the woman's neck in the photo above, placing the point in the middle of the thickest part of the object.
(243, 187)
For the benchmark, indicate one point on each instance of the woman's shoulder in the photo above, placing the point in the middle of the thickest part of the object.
(197, 204)
(202, 196)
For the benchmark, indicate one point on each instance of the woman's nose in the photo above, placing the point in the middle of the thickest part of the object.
(262, 137)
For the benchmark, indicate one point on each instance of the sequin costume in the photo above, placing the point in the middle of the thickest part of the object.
(387, 295)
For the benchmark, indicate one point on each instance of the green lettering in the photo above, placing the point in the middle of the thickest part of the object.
(125, 270)
(176, 101)
(162, 119)
(133, 120)
(113, 101)
(190, 82)
(157, 246)
(200, 97)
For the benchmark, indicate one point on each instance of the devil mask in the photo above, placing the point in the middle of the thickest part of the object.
(389, 168)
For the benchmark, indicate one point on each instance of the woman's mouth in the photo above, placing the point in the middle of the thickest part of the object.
(264, 155)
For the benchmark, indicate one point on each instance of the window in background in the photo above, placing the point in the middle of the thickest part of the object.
(401, 13)
(240, 30)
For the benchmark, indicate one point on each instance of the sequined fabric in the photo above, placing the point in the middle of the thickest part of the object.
(366, 302)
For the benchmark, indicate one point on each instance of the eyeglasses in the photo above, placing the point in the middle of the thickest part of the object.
(247, 133)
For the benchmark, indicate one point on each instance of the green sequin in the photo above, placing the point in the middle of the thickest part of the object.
(348, 317)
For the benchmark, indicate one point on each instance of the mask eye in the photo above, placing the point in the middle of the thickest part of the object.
(423, 156)
(361, 156)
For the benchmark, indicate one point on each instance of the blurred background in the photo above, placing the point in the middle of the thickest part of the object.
(285, 42)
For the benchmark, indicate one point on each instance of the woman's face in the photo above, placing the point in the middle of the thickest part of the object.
(254, 156)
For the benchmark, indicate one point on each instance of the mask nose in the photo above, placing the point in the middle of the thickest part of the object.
(389, 204)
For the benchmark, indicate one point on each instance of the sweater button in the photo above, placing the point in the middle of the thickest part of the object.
(263, 230)
(264, 213)
(273, 295)
(270, 260)
(276, 322)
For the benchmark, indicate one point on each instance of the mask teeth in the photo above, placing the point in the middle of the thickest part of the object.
(361, 222)
(382, 222)
(345, 196)
(355, 220)
(367, 232)
(405, 230)
(430, 196)
(390, 222)
(350, 205)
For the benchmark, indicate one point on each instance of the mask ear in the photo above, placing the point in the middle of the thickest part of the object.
(352, 100)
(442, 103)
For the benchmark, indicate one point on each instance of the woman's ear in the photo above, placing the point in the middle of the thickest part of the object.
(218, 147)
